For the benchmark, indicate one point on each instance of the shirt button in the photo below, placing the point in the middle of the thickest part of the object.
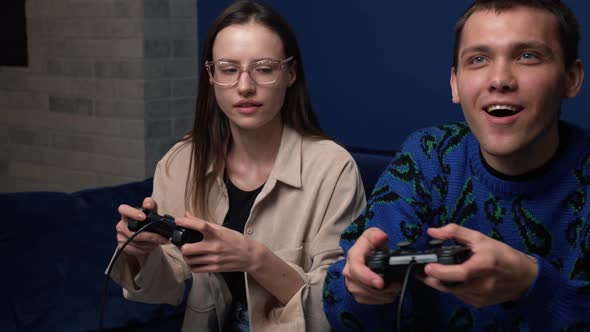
(249, 231)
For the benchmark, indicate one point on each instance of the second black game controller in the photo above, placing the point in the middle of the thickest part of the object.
(165, 226)
(393, 264)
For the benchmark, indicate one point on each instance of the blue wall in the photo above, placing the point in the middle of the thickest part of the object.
(379, 70)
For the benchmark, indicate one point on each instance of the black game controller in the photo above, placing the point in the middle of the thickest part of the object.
(165, 226)
(393, 264)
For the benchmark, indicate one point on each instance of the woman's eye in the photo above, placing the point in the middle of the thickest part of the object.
(228, 70)
(264, 70)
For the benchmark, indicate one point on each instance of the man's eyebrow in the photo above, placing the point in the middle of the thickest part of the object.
(475, 49)
(534, 45)
(517, 46)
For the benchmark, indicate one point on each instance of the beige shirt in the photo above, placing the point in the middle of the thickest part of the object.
(313, 193)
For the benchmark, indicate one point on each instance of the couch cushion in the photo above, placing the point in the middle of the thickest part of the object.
(33, 248)
(58, 246)
(371, 164)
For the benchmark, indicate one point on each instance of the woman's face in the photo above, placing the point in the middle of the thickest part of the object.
(247, 104)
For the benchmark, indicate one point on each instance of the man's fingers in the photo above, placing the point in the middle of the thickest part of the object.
(457, 233)
(362, 273)
(369, 295)
(377, 239)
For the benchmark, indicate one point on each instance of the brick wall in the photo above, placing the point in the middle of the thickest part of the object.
(109, 88)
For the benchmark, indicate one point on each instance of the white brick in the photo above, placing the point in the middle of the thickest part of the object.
(119, 89)
(37, 8)
(107, 67)
(123, 109)
(183, 8)
(99, 28)
(131, 47)
(134, 129)
(119, 147)
(46, 83)
(48, 174)
(10, 184)
(14, 118)
(24, 99)
(111, 180)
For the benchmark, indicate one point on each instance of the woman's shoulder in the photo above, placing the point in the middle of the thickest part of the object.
(180, 151)
(325, 154)
(324, 150)
(177, 159)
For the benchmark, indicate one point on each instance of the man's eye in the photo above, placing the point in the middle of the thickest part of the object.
(529, 56)
(478, 60)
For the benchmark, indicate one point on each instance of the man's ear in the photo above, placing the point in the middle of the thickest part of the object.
(454, 88)
(574, 79)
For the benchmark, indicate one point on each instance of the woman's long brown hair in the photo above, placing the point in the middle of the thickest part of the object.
(211, 135)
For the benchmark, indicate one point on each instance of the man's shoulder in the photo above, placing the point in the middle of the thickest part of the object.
(437, 139)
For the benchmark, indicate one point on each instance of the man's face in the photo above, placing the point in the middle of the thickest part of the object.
(510, 80)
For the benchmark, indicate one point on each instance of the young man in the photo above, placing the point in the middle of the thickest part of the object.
(513, 185)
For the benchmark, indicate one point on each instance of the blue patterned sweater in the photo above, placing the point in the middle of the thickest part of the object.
(438, 178)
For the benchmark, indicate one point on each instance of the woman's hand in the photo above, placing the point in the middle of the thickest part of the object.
(225, 250)
(221, 250)
(143, 243)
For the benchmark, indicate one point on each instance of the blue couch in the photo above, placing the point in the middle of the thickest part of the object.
(55, 248)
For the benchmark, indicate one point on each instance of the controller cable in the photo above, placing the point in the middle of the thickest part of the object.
(110, 269)
(402, 294)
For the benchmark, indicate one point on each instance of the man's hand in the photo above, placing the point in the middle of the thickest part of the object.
(495, 273)
(365, 285)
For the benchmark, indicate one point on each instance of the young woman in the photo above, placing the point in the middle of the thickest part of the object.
(270, 193)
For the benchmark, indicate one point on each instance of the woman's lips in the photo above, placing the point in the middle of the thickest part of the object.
(247, 106)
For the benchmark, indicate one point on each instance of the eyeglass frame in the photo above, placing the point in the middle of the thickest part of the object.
(243, 69)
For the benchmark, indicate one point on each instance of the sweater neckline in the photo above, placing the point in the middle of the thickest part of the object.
(548, 175)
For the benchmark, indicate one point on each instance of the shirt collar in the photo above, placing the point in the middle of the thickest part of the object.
(287, 166)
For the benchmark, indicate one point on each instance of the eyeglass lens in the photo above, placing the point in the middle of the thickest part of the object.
(261, 72)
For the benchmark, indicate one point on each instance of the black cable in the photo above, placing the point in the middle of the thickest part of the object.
(110, 269)
(402, 294)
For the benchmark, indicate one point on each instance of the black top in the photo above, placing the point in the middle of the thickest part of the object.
(240, 204)
(563, 142)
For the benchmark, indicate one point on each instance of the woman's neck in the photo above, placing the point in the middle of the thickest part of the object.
(252, 154)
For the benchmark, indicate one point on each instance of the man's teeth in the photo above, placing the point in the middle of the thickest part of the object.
(502, 110)
(501, 107)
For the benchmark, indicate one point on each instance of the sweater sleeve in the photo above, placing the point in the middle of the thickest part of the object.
(554, 302)
(394, 207)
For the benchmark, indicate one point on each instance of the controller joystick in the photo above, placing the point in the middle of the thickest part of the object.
(166, 227)
(393, 264)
